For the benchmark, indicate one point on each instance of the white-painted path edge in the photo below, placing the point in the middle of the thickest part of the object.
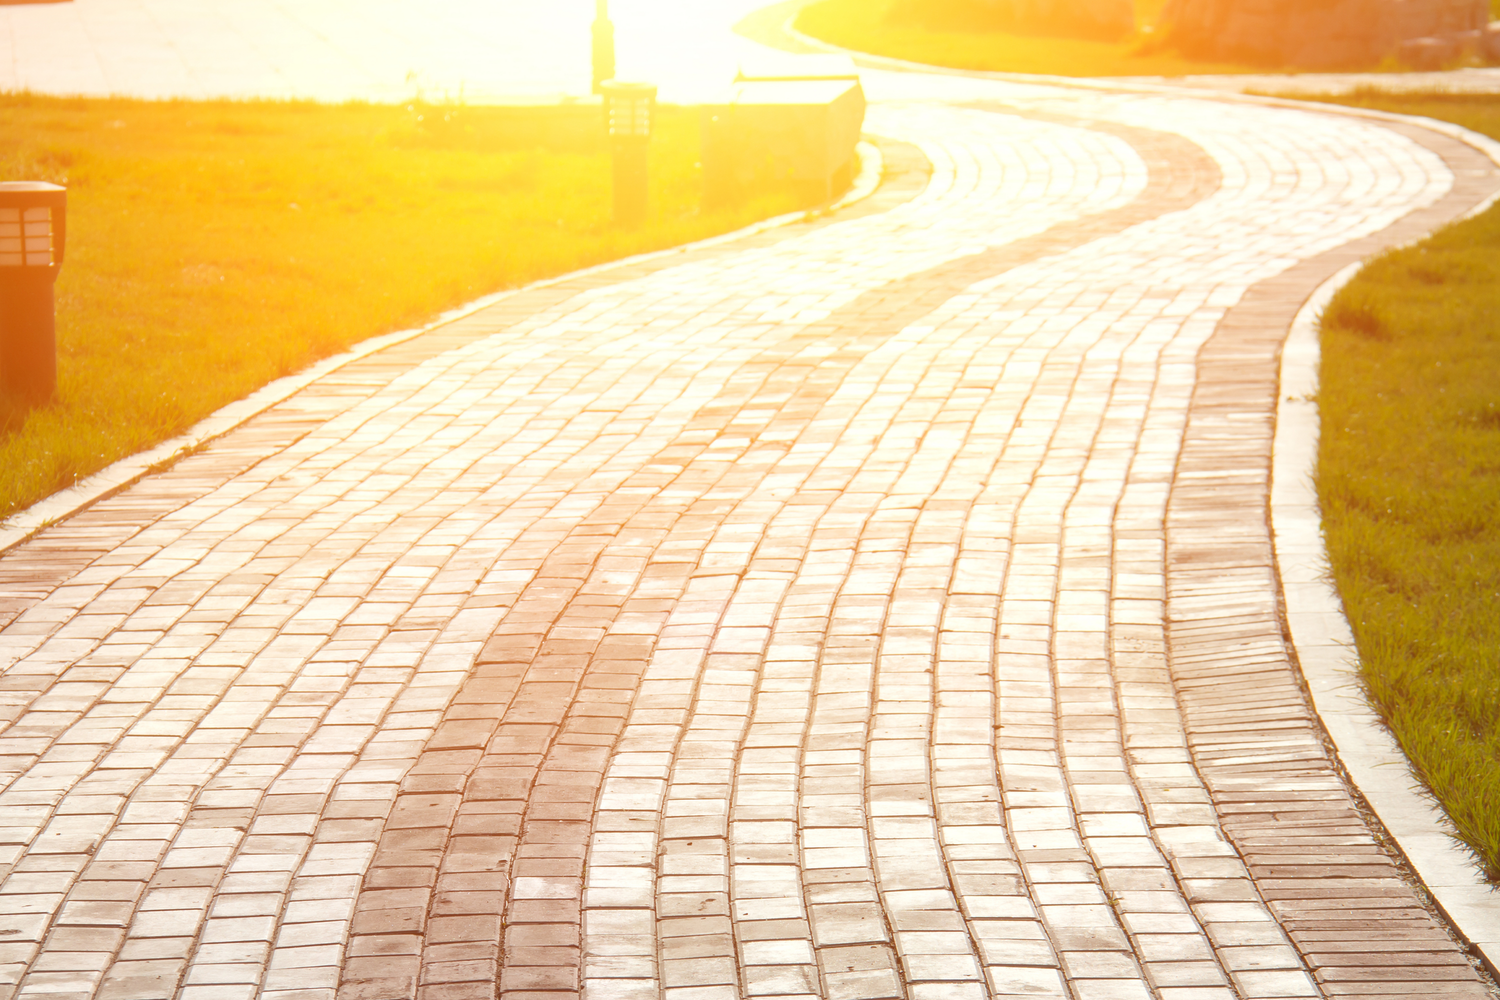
(1320, 632)
(1322, 639)
(1324, 643)
(24, 523)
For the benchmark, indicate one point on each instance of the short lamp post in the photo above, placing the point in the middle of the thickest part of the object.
(33, 232)
(604, 45)
(629, 108)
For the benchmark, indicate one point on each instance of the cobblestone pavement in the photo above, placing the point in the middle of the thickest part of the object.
(876, 607)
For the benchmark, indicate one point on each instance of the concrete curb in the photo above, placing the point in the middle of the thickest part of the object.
(1325, 650)
(1322, 639)
(24, 523)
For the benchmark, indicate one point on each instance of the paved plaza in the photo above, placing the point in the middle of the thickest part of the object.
(877, 606)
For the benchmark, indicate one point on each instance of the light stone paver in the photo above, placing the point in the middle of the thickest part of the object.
(879, 607)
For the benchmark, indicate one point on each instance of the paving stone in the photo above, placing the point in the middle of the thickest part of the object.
(875, 606)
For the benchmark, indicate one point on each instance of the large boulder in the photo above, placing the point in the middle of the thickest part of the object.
(1313, 34)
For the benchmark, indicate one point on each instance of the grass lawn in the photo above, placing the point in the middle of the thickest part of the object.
(213, 247)
(943, 33)
(1409, 481)
(1409, 468)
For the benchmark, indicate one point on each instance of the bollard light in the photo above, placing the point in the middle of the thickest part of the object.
(33, 233)
(628, 110)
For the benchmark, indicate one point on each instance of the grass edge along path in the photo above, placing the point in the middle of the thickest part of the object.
(216, 246)
(862, 25)
(1408, 485)
(1409, 459)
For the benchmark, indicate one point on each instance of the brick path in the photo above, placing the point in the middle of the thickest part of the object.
(878, 607)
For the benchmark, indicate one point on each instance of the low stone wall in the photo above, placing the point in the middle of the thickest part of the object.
(1314, 34)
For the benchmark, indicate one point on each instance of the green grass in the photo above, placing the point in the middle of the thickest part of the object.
(213, 247)
(1409, 482)
(957, 33)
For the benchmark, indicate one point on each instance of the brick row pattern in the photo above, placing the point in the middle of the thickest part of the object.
(783, 619)
(540, 943)
(1301, 841)
(920, 926)
(696, 946)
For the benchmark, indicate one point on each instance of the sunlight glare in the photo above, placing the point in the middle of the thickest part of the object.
(376, 50)
(687, 47)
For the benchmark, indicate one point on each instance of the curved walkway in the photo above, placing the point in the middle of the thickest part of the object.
(877, 607)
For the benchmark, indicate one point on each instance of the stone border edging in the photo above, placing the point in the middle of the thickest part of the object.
(1324, 646)
(125, 471)
(1322, 641)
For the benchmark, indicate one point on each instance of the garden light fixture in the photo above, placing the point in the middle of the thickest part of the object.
(33, 232)
(628, 110)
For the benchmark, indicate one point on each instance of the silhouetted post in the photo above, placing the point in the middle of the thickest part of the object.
(629, 108)
(33, 231)
(604, 45)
